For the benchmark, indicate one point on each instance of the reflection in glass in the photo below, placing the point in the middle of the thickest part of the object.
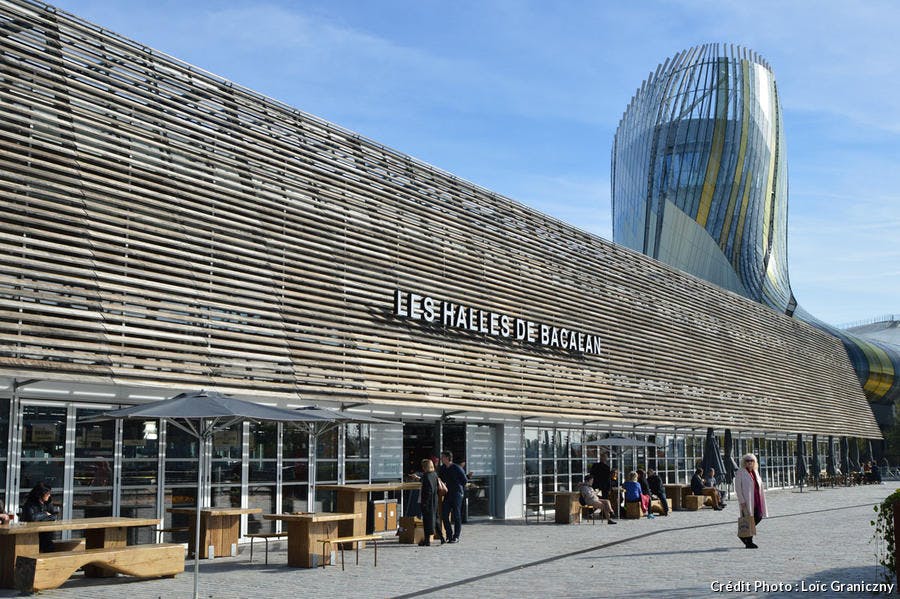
(263, 440)
(295, 443)
(225, 471)
(357, 441)
(356, 471)
(263, 471)
(44, 432)
(46, 471)
(263, 497)
(226, 496)
(139, 503)
(227, 443)
(295, 472)
(294, 498)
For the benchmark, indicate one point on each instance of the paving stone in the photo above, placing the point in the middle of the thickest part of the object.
(812, 537)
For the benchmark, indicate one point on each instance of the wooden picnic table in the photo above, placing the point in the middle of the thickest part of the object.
(305, 533)
(568, 509)
(220, 528)
(20, 539)
(353, 499)
(673, 495)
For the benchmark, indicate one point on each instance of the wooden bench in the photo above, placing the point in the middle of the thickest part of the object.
(540, 509)
(161, 531)
(693, 502)
(265, 536)
(50, 570)
(357, 540)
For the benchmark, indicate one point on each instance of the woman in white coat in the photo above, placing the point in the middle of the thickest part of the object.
(748, 486)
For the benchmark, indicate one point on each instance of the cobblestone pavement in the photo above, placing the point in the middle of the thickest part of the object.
(815, 537)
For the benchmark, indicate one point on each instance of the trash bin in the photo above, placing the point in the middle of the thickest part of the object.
(384, 516)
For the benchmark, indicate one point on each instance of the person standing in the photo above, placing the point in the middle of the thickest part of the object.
(601, 473)
(455, 479)
(429, 501)
(751, 496)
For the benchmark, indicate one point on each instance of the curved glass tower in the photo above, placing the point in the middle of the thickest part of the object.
(699, 181)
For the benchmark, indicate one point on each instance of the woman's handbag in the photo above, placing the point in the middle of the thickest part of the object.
(442, 488)
(746, 526)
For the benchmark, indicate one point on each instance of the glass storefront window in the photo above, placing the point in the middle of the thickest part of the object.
(263, 475)
(532, 465)
(295, 470)
(43, 449)
(94, 449)
(181, 463)
(140, 473)
(4, 445)
(356, 453)
(326, 468)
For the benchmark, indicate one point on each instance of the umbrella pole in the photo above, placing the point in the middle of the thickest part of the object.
(197, 517)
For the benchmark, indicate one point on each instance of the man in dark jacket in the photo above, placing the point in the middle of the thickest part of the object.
(455, 479)
(654, 482)
(601, 473)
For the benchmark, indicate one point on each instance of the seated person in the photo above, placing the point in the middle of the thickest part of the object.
(39, 508)
(614, 484)
(875, 473)
(633, 493)
(699, 488)
(642, 480)
(5, 518)
(654, 483)
(589, 498)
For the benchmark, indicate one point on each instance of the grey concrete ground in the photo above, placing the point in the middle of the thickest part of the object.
(812, 537)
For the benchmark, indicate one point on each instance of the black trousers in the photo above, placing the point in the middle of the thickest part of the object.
(747, 540)
(452, 506)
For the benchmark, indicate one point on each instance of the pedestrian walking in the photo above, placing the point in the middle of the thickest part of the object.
(751, 495)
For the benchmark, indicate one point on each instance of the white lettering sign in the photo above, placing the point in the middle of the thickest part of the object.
(415, 306)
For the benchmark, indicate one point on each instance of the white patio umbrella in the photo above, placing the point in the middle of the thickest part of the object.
(201, 414)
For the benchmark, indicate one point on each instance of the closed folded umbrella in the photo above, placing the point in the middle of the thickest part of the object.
(816, 464)
(830, 468)
(730, 465)
(845, 459)
(712, 458)
(801, 461)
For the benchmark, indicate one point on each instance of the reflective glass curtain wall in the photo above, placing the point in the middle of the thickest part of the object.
(699, 181)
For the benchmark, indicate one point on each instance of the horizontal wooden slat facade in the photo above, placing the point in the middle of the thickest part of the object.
(164, 227)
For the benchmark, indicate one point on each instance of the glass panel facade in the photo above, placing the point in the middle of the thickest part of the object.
(356, 453)
(295, 470)
(226, 466)
(94, 458)
(480, 466)
(140, 473)
(43, 449)
(262, 491)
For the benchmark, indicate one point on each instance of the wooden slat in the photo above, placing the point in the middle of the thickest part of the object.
(164, 227)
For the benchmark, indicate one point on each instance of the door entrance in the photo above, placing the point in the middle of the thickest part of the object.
(420, 441)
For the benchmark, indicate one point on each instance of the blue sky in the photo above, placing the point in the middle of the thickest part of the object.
(524, 98)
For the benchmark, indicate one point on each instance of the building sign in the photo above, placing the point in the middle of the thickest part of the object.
(450, 315)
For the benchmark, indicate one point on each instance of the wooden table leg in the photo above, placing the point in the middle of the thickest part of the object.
(204, 535)
(222, 533)
(304, 542)
(11, 547)
(95, 538)
(352, 502)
